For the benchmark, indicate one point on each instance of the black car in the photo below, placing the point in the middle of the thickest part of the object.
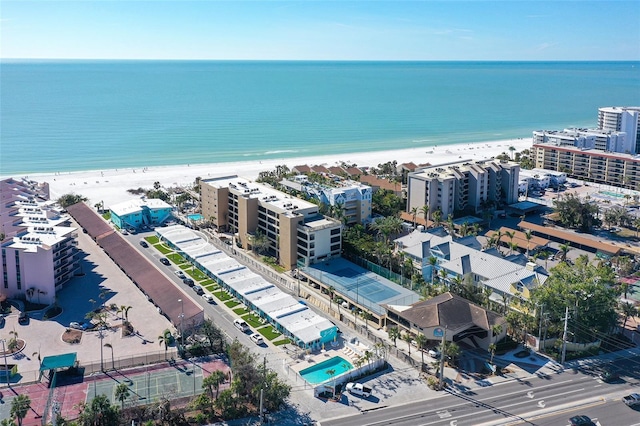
(580, 421)
(144, 244)
(188, 281)
(165, 261)
(609, 376)
(23, 318)
(198, 289)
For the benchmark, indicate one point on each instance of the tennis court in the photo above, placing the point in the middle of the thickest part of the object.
(360, 285)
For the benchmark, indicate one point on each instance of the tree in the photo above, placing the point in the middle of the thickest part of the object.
(425, 213)
(437, 218)
(332, 291)
(394, 334)
(67, 200)
(213, 381)
(564, 249)
(165, 338)
(528, 235)
(574, 213)
(408, 337)
(122, 393)
(586, 287)
(260, 243)
(99, 412)
(421, 341)
(123, 309)
(332, 372)
(414, 214)
(492, 351)
(20, 407)
(628, 310)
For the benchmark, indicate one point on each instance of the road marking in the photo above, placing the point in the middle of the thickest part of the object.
(530, 394)
(443, 414)
(453, 423)
(541, 403)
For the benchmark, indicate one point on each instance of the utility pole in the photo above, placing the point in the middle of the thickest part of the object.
(564, 335)
(264, 379)
(540, 327)
(442, 355)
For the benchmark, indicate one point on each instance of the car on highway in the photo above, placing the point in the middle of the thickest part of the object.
(165, 261)
(580, 421)
(198, 290)
(208, 298)
(144, 244)
(188, 281)
(609, 376)
(631, 400)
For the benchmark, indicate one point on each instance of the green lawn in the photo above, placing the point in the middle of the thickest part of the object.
(252, 319)
(281, 342)
(197, 274)
(176, 258)
(163, 249)
(240, 311)
(268, 332)
(152, 239)
(221, 295)
(232, 303)
(207, 283)
(211, 287)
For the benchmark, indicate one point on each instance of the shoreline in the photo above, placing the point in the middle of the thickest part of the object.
(110, 186)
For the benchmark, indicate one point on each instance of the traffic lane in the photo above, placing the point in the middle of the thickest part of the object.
(606, 413)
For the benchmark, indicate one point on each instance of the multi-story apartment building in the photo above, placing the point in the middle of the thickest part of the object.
(351, 197)
(590, 164)
(463, 185)
(39, 248)
(604, 140)
(622, 119)
(295, 229)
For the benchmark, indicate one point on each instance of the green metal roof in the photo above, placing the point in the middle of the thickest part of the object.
(58, 361)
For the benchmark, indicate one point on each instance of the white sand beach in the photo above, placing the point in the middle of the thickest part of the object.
(110, 186)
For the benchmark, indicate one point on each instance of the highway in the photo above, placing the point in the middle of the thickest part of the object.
(542, 400)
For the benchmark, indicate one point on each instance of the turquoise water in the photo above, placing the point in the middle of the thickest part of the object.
(92, 115)
(318, 373)
(612, 194)
(194, 216)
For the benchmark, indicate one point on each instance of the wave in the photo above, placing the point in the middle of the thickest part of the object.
(282, 151)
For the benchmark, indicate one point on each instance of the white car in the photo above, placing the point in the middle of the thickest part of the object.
(180, 274)
(434, 353)
(257, 338)
(208, 298)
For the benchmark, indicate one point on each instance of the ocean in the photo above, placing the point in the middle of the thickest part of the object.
(93, 115)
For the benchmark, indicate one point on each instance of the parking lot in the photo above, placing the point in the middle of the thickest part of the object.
(102, 283)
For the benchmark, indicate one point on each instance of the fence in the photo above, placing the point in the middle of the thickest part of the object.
(380, 270)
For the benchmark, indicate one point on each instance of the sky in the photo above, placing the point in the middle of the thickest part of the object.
(508, 30)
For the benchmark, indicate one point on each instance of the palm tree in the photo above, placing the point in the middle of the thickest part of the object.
(437, 218)
(165, 338)
(492, 351)
(122, 393)
(408, 337)
(421, 341)
(496, 330)
(213, 381)
(528, 235)
(564, 249)
(125, 311)
(451, 226)
(19, 407)
(394, 333)
(331, 291)
(628, 310)
(414, 213)
(425, 213)
(332, 372)
(510, 234)
(433, 261)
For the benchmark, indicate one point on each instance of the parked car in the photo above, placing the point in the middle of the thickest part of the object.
(434, 353)
(359, 389)
(241, 325)
(208, 298)
(188, 281)
(81, 325)
(23, 318)
(165, 261)
(631, 400)
(580, 421)
(144, 244)
(180, 274)
(198, 289)
(257, 339)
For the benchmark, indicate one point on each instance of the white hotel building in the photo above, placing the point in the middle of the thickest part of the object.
(38, 249)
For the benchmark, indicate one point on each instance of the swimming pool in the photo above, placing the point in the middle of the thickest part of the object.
(612, 194)
(194, 216)
(318, 373)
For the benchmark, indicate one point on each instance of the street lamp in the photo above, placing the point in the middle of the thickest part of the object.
(181, 320)
(101, 336)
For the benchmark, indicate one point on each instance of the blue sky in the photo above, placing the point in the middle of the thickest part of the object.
(322, 30)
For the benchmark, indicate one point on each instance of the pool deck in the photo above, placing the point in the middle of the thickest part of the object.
(350, 352)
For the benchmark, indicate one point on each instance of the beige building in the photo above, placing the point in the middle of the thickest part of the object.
(296, 231)
(590, 164)
(463, 185)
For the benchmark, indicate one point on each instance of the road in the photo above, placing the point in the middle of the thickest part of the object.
(544, 400)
